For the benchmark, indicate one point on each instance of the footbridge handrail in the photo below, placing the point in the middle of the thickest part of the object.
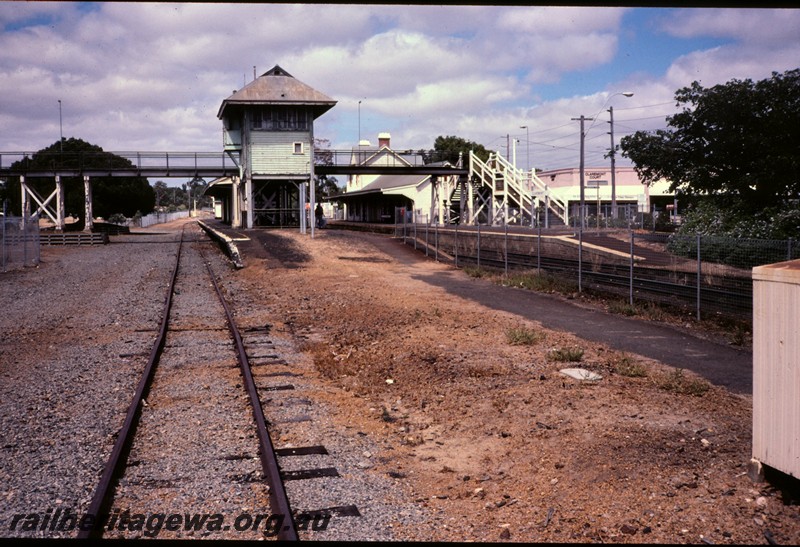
(116, 163)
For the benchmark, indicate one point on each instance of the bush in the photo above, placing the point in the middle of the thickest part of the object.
(523, 336)
(565, 355)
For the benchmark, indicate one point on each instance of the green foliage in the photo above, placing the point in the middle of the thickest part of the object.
(735, 237)
(449, 148)
(625, 366)
(523, 336)
(541, 281)
(735, 141)
(565, 355)
(326, 185)
(677, 382)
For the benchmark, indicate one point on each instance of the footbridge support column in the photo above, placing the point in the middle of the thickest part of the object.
(89, 214)
(59, 204)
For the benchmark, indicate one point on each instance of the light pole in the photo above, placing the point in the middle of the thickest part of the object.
(359, 125)
(527, 146)
(613, 154)
(60, 128)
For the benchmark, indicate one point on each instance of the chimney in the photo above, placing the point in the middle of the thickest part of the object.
(384, 139)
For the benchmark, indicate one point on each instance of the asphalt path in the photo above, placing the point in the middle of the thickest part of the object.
(720, 364)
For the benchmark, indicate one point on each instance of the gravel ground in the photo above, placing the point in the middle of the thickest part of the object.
(76, 332)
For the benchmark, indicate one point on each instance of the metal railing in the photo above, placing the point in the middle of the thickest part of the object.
(110, 163)
(701, 275)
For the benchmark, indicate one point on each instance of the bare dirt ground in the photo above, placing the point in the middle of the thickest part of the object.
(483, 430)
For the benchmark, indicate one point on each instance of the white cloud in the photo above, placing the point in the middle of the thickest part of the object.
(151, 76)
(743, 25)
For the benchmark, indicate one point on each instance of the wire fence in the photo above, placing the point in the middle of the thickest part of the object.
(20, 245)
(701, 275)
(159, 218)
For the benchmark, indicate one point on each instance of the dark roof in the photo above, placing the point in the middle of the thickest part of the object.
(384, 183)
(278, 87)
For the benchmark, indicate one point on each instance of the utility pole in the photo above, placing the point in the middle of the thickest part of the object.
(613, 166)
(583, 135)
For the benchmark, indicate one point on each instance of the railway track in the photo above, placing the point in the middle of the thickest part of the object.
(730, 296)
(194, 457)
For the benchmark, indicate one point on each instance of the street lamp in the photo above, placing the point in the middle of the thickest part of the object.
(613, 154)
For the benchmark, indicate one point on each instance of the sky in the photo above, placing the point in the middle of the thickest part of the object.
(151, 76)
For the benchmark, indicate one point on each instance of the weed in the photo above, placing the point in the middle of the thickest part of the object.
(475, 271)
(625, 366)
(539, 281)
(677, 382)
(622, 308)
(565, 355)
(523, 336)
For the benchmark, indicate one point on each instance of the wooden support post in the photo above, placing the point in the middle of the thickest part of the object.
(248, 199)
(26, 204)
(89, 214)
(236, 207)
(59, 204)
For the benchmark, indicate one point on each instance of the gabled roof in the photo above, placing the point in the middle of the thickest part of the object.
(387, 184)
(278, 87)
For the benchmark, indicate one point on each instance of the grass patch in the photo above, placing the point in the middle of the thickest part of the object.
(625, 366)
(475, 271)
(565, 355)
(677, 382)
(523, 336)
(622, 308)
(540, 281)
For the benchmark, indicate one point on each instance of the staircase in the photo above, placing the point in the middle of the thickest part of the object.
(514, 196)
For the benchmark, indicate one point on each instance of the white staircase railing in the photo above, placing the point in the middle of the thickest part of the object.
(515, 193)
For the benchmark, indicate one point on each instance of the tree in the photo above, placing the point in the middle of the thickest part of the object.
(449, 148)
(326, 185)
(738, 143)
(125, 195)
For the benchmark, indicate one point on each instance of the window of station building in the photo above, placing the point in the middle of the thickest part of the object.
(281, 119)
(297, 147)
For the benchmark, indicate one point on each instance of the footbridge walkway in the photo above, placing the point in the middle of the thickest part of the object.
(491, 192)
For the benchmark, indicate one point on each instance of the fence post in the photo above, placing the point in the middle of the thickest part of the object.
(455, 244)
(4, 235)
(539, 250)
(505, 247)
(789, 254)
(479, 246)
(699, 271)
(580, 260)
(631, 280)
(426, 238)
(436, 241)
(415, 234)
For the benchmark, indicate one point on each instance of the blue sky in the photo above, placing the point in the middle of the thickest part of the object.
(151, 76)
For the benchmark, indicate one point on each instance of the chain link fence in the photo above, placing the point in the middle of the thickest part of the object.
(699, 274)
(20, 245)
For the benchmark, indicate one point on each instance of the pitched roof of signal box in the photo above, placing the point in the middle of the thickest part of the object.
(278, 87)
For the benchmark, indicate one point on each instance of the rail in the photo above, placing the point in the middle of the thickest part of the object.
(279, 502)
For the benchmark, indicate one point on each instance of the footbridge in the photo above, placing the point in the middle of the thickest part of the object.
(487, 192)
